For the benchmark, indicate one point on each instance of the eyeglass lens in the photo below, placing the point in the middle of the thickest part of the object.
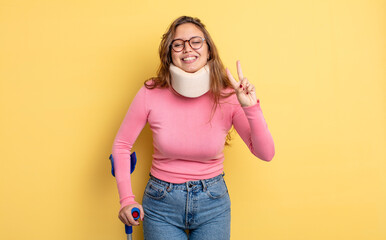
(195, 43)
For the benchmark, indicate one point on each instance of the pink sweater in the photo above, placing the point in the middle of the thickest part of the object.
(187, 146)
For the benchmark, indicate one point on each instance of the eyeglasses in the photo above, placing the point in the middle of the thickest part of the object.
(195, 42)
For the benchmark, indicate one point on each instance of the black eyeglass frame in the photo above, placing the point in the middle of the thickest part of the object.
(203, 40)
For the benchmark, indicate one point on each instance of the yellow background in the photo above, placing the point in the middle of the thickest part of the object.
(69, 70)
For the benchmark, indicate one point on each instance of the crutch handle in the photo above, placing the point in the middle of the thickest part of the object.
(135, 212)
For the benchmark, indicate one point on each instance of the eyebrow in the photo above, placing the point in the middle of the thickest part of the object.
(186, 39)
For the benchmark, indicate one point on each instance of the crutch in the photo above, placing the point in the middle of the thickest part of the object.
(135, 212)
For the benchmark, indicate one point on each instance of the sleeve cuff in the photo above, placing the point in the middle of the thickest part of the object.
(127, 202)
(257, 104)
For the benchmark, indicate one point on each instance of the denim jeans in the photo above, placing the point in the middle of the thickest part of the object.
(202, 207)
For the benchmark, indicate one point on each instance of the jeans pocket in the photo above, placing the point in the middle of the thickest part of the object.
(217, 190)
(155, 191)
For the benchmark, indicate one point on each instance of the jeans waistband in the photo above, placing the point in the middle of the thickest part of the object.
(189, 184)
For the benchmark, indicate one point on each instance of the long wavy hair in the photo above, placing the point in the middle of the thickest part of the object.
(218, 77)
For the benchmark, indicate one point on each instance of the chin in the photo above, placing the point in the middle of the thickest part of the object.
(191, 69)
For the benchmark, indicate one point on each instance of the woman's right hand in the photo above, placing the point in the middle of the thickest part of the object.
(126, 217)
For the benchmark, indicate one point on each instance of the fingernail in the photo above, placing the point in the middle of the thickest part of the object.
(241, 86)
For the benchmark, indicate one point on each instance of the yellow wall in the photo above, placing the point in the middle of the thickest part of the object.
(69, 70)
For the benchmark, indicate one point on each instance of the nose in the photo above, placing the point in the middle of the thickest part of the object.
(187, 47)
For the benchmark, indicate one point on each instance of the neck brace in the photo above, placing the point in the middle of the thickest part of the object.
(190, 85)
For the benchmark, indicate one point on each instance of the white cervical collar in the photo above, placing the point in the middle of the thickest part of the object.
(190, 85)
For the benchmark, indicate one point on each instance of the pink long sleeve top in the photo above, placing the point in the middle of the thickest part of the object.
(188, 144)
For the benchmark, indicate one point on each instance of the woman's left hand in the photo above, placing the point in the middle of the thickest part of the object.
(245, 91)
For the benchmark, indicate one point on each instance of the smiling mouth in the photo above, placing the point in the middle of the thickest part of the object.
(189, 59)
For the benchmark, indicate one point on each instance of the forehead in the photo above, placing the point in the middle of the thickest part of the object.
(187, 30)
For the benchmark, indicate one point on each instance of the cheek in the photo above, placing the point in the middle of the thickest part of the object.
(175, 58)
(205, 52)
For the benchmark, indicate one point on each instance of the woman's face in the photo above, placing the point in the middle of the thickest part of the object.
(188, 59)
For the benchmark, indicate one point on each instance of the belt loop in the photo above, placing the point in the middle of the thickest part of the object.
(169, 187)
(203, 185)
(223, 174)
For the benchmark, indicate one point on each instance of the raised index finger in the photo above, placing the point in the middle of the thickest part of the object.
(234, 83)
(239, 71)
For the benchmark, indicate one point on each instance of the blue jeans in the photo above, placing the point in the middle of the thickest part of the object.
(202, 207)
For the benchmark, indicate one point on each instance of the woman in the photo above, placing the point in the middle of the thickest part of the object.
(190, 107)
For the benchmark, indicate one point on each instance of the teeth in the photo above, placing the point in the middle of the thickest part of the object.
(189, 58)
